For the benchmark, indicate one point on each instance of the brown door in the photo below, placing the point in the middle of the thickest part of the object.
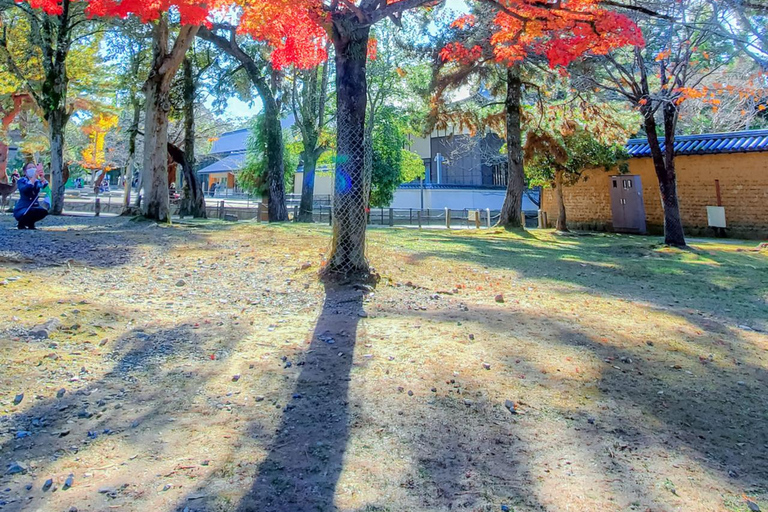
(627, 204)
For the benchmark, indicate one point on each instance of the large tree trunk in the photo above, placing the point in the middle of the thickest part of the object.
(133, 132)
(273, 132)
(57, 120)
(193, 199)
(353, 173)
(308, 187)
(157, 89)
(511, 211)
(664, 165)
(562, 221)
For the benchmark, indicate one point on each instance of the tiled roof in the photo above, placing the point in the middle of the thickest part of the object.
(708, 144)
(231, 163)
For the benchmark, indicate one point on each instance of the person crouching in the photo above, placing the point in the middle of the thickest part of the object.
(28, 211)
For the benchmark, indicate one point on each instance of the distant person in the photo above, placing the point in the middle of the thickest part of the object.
(28, 211)
(213, 189)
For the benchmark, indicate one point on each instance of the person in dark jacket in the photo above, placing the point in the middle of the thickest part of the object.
(28, 211)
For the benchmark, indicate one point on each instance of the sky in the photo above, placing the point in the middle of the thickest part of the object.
(239, 109)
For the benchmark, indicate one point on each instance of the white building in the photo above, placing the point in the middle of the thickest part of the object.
(461, 172)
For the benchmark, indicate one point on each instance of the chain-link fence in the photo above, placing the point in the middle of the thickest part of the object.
(352, 189)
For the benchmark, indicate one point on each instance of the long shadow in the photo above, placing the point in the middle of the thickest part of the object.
(129, 403)
(623, 266)
(710, 412)
(93, 242)
(306, 456)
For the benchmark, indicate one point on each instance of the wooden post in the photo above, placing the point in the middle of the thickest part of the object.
(488, 213)
(330, 215)
(221, 209)
(477, 219)
(295, 213)
(391, 217)
(448, 218)
(418, 215)
(427, 216)
(717, 190)
(410, 216)
(97, 207)
(258, 212)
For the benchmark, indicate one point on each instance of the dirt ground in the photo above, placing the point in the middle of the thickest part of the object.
(203, 367)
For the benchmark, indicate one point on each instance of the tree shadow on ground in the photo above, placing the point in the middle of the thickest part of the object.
(93, 242)
(153, 374)
(646, 398)
(622, 266)
(306, 456)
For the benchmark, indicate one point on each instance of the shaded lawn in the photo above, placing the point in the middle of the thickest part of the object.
(638, 374)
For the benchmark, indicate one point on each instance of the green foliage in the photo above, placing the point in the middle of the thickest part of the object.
(572, 153)
(253, 177)
(392, 163)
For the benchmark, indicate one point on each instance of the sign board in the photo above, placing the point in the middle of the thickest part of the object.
(473, 216)
(716, 216)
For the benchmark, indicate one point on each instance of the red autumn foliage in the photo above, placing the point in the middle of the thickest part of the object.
(298, 30)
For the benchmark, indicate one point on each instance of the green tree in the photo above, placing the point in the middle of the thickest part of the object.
(559, 160)
(53, 57)
(254, 177)
(392, 163)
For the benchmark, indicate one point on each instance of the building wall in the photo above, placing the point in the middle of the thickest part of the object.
(743, 188)
(455, 199)
(323, 183)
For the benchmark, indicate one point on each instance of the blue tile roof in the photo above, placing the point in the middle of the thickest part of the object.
(708, 144)
(231, 163)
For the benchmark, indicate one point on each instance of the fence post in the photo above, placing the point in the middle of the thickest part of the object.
(410, 216)
(258, 212)
(427, 216)
(488, 212)
(448, 218)
(381, 210)
(391, 217)
(477, 219)
(221, 209)
(418, 215)
(330, 215)
(97, 207)
(295, 213)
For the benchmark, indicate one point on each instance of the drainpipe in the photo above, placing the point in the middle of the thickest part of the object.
(439, 161)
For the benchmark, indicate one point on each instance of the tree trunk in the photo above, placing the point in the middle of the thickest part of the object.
(3, 163)
(273, 132)
(511, 211)
(353, 172)
(308, 187)
(133, 132)
(664, 165)
(562, 221)
(157, 89)
(193, 199)
(57, 120)
(155, 205)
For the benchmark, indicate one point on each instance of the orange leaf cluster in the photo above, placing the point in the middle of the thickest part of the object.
(562, 32)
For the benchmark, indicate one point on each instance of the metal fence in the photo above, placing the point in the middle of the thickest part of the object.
(322, 214)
